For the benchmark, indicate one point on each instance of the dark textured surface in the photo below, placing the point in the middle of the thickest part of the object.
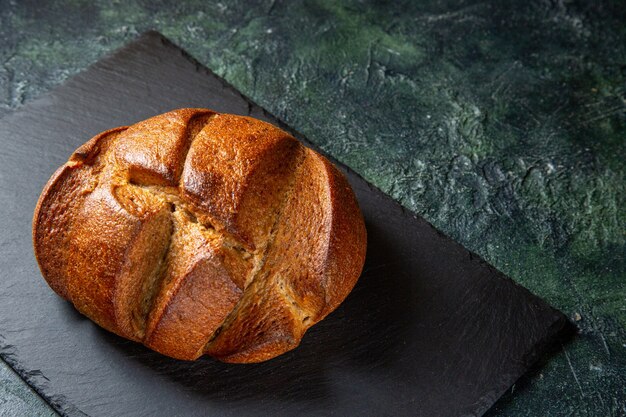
(18, 399)
(502, 123)
(430, 329)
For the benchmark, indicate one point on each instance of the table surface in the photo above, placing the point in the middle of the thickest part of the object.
(502, 124)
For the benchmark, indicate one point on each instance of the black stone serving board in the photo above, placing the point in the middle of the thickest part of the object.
(429, 330)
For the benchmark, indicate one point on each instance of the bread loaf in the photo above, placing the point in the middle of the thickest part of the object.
(195, 232)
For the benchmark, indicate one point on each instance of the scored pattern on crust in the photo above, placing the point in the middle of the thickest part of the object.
(197, 232)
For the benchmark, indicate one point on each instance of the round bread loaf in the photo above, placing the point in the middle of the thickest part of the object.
(195, 232)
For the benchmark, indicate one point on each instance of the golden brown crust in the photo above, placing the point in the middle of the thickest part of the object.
(197, 294)
(154, 150)
(236, 173)
(60, 198)
(196, 232)
(318, 249)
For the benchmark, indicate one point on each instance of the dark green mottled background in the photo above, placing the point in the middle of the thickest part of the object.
(503, 123)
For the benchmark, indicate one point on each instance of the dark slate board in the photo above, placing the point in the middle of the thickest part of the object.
(429, 330)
